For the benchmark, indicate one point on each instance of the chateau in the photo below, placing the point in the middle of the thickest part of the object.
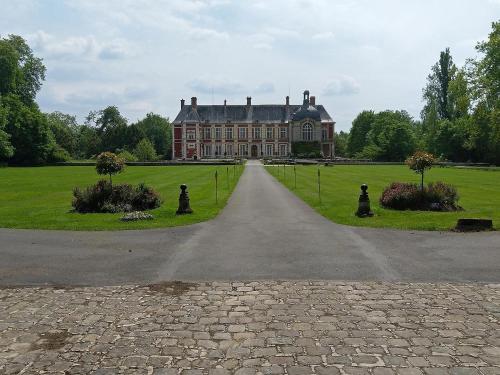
(252, 131)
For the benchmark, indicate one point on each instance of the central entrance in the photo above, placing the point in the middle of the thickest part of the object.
(254, 151)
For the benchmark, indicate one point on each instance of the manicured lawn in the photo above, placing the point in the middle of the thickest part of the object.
(41, 197)
(478, 190)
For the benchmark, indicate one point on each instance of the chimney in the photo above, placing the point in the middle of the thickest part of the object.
(225, 102)
(287, 100)
(194, 103)
(249, 101)
(312, 100)
(182, 103)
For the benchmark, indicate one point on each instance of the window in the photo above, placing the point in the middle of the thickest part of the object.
(283, 133)
(191, 134)
(218, 132)
(244, 149)
(218, 150)
(229, 149)
(229, 133)
(243, 133)
(269, 133)
(283, 150)
(207, 151)
(207, 133)
(269, 149)
(256, 133)
(324, 133)
(307, 132)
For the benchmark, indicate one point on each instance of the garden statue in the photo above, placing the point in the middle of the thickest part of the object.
(364, 203)
(184, 207)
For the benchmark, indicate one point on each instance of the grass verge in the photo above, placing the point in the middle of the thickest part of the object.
(40, 197)
(340, 188)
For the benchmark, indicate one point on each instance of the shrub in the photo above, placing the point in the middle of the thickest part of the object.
(436, 196)
(401, 196)
(419, 162)
(145, 151)
(58, 154)
(110, 164)
(104, 197)
(127, 156)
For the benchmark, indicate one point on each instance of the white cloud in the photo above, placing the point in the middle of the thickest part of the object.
(323, 36)
(78, 47)
(341, 85)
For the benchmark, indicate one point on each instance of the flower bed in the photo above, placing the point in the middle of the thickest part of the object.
(436, 196)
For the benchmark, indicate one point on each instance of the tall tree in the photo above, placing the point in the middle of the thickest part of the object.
(359, 131)
(436, 92)
(157, 129)
(30, 71)
(64, 127)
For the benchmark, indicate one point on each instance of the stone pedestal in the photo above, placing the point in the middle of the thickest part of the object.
(364, 203)
(184, 207)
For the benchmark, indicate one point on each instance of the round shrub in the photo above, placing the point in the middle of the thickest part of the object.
(127, 156)
(104, 197)
(109, 163)
(436, 196)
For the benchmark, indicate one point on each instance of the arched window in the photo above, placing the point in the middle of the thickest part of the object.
(307, 132)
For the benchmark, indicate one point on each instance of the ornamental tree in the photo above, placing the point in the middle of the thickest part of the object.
(419, 162)
(110, 164)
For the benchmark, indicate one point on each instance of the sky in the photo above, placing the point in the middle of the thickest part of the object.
(144, 56)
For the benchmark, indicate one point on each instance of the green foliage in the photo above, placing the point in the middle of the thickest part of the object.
(419, 162)
(88, 142)
(358, 135)
(8, 67)
(65, 130)
(29, 71)
(58, 154)
(127, 156)
(436, 93)
(390, 138)
(306, 149)
(6, 149)
(340, 141)
(110, 164)
(158, 130)
(145, 151)
(29, 132)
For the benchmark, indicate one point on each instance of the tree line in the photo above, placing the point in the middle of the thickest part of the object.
(28, 136)
(460, 119)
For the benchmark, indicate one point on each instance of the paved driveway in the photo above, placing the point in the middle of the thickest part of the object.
(265, 232)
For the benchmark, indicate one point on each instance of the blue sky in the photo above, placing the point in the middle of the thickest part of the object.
(145, 56)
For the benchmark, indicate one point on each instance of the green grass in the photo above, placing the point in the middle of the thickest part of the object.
(41, 197)
(340, 188)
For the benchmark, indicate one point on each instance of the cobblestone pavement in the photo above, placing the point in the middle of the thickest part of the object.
(252, 327)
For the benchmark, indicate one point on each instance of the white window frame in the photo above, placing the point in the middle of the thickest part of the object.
(242, 133)
(207, 150)
(191, 134)
(269, 149)
(218, 133)
(243, 149)
(218, 150)
(307, 132)
(229, 133)
(283, 148)
(269, 132)
(283, 132)
(207, 133)
(256, 133)
(229, 149)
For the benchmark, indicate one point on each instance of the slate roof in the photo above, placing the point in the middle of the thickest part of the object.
(264, 113)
